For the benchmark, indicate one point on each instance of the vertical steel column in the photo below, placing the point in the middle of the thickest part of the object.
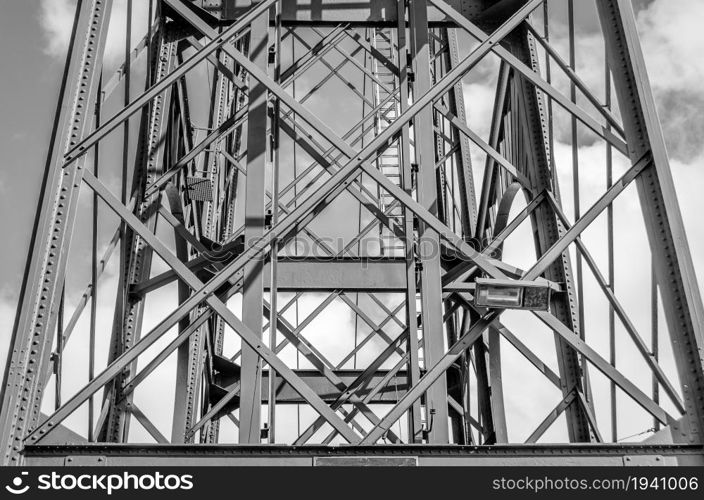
(121, 296)
(680, 295)
(126, 102)
(94, 268)
(457, 184)
(275, 165)
(57, 356)
(185, 213)
(253, 288)
(232, 145)
(654, 340)
(190, 354)
(44, 275)
(610, 254)
(182, 396)
(186, 372)
(414, 417)
(429, 242)
(496, 388)
(530, 137)
(579, 278)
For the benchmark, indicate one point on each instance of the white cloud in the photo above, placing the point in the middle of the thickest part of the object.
(8, 304)
(672, 41)
(479, 102)
(56, 19)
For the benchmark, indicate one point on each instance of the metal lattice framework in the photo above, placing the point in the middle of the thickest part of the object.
(307, 189)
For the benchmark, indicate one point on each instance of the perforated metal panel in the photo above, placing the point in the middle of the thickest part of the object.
(199, 189)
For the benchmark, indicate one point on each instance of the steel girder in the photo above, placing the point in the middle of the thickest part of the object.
(674, 270)
(44, 275)
(558, 455)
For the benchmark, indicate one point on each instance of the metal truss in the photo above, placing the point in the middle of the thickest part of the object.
(311, 196)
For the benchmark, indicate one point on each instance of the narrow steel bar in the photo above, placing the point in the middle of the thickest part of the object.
(252, 299)
(551, 417)
(148, 425)
(58, 354)
(610, 257)
(654, 339)
(94, 269)
(528, 354)
(589, 410)
(490, 151)
(464, 167)
(496, 387)
(501, 100)
(275, 171)
(428, 241)
(120, 72)
(126, 102)
(576, 198)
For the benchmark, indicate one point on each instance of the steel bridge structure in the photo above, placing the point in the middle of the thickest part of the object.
(284, 232)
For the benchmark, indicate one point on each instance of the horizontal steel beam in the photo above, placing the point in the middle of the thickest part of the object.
(331, 12)
(394, 388)
(534, 454)
(312, 275)
(364, 275)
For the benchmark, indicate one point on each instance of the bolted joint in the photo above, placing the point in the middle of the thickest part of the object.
(419, 265)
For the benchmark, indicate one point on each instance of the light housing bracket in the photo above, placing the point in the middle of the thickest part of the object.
(513, 294)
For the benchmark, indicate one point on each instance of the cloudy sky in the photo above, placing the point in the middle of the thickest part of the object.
(35, 35)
